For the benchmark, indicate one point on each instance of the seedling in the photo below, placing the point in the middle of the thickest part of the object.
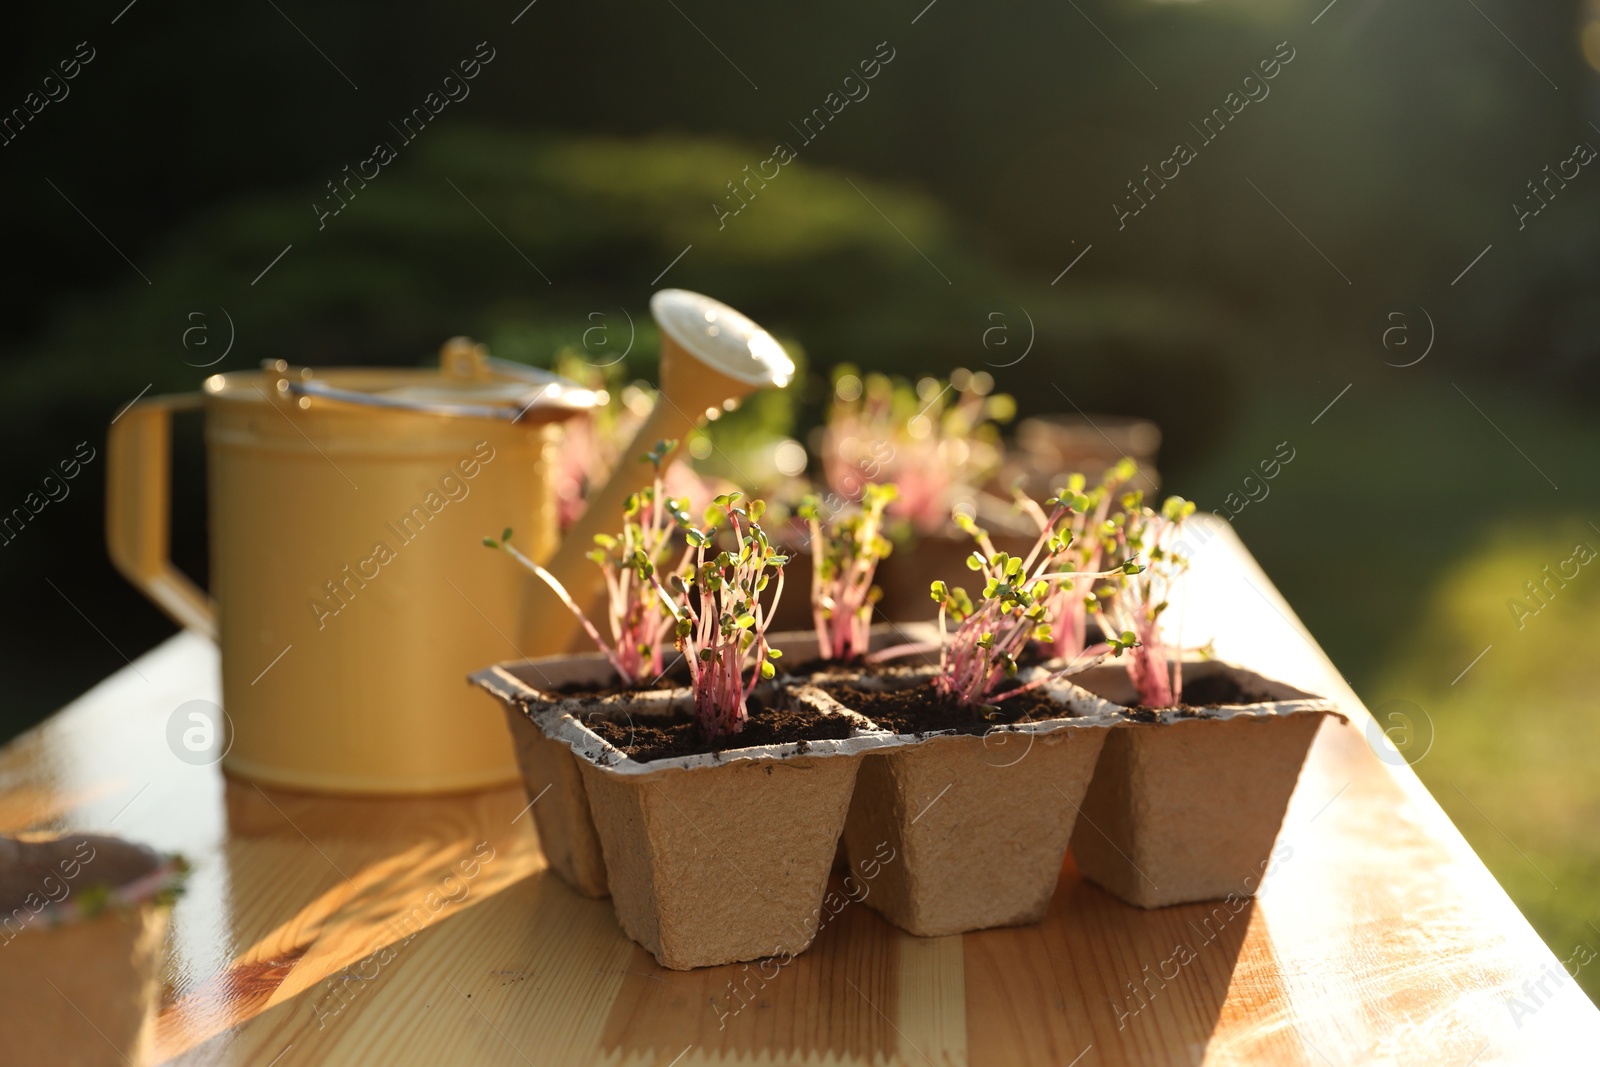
(845, 553)
(636, 614)
(1141, 599)
(721, 623)
(1094, 537)
(1013, 608)
(934, 441)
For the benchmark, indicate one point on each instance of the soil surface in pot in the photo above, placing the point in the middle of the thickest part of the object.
(1217, 690)
(804, 672)
(675, 676)
(680, 735)
(921, 709)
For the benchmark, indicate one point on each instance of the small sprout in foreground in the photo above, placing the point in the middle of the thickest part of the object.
(845, 555)
(721, 624)
(1142, 597)
(632, 561)
(1089, 540)
(1020, 602)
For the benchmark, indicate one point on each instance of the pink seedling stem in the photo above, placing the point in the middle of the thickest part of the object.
(845, 554)
(1137, 607)
(566, 598)
(639, 622)
(721, 622)
(1013, 609)
(1093, 538)
(635, 612)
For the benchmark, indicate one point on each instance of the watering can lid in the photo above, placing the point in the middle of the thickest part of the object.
(725, 339)
(469, 383)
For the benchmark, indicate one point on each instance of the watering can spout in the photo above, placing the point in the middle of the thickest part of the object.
(711, 355)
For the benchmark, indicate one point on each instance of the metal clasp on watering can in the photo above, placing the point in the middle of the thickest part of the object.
(350, 593)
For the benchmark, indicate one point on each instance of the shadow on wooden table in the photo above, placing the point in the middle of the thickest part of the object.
(452, 894)
(1139, 986)
(841, 996)
(322, 935)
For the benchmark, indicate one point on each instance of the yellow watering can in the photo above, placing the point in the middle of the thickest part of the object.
(349, 592)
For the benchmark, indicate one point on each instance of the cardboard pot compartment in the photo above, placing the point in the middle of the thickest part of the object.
(721, 857)
(1185, 807)
(84, 925)
(530, 692)
(978, 825)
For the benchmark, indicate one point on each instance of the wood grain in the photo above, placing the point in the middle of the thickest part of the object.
(339, 931)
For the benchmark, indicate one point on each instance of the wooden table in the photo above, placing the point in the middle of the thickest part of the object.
(1382, 940)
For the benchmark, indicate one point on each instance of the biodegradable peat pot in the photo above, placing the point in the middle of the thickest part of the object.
(724, 856)
(955, 831)
(82, 922)
(532, 694)
(1187, 802)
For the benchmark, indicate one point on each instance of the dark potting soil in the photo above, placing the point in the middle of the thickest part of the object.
(921, 709)
(1216, 690)
(805, 669)
(674, 677)
(804, 672)
(681, 735)
(1221, 689)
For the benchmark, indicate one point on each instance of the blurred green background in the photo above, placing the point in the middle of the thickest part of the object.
(1253, 289)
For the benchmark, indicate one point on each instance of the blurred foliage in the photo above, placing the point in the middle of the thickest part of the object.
(413, 259)
(1400, 531)
(1396, 140)
(1514, 739)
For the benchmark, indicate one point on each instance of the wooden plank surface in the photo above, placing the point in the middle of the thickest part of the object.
(323, 931)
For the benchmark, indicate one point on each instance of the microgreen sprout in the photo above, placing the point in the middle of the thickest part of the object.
(1094, 537)
(1013, 608)
(845, 553)
(1141, 599)
(935, 441)
(721, 622)
(636, 613)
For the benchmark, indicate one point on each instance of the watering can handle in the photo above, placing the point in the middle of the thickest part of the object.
(138, 517)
